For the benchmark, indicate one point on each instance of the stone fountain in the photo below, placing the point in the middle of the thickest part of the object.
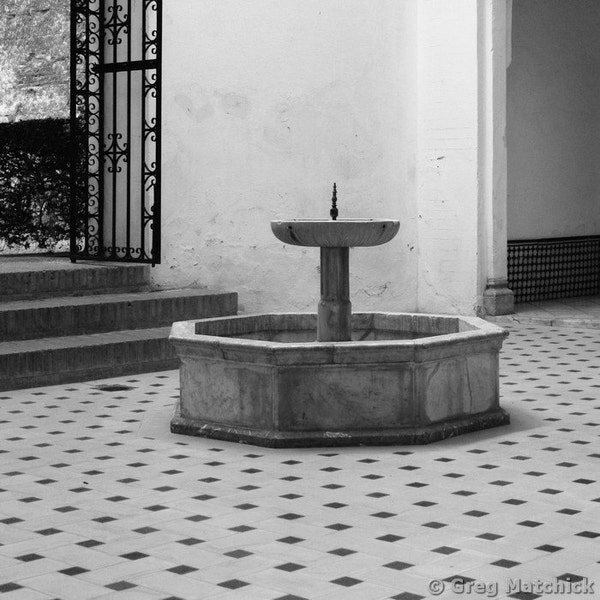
(335, 378)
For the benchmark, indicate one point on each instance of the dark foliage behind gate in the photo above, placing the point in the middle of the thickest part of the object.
(34, 183)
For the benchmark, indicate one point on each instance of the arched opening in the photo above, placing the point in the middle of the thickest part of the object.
(553, 139)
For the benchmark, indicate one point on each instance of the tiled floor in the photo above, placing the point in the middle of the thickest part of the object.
(567, 312)
(99, 500)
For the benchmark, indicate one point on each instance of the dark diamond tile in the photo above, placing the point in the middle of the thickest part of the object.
(119, 586)
(49, 531)
(342, 551)
(105, 519)
(134, 555)
(90, 543)
(389, 537)
(338, 526)
(29, 557)
(549, 548)
(445, 550)
(145, 530)
(9, 587)
(241, 528)
(65, 509)
(233, 584)
(290, 567)
(73, 571)
(346, 581)
(182, 569)
(570, 577)
(290, 539)
(507, 564)
(490, 536)
(398, 565)
(588, 534)
(459, 578)
(384, 515)
(530, 523)
(238, 553)
(190, 541)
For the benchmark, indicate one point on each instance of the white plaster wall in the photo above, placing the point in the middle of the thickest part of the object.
(449, 208)
(553, 130)
(265, 104)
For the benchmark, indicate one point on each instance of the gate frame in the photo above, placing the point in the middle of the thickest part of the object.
(87, 161)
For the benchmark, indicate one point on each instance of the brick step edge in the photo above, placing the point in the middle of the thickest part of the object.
(90, 279)
(62, 316)
(53, 361)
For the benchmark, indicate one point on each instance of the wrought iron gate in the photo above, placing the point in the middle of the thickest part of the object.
(115, 125)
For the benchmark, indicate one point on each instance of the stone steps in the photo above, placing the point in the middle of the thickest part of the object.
(61, 316)
(37, 277)
(49, 361)
(62, 322)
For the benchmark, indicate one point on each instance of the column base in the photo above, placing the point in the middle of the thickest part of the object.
(498, 299)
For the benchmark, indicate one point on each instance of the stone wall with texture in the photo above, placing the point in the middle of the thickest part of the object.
(34, 59)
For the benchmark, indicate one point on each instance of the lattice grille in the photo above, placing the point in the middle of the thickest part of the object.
(554, 268)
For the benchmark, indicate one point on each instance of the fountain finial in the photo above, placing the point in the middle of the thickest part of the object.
(334, 211)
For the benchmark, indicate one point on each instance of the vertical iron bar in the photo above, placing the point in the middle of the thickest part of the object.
(101, 158)
(143, 140)
(87, 117)
(73, 136)
(157, 195)
(128, 141)
(114, 131)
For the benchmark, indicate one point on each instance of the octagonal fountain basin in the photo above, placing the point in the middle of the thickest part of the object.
(402, 379)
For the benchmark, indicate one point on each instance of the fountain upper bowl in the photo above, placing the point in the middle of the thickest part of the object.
(335, 234)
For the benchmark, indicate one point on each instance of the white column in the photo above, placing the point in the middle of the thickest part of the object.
(494, 51)
(462, 157)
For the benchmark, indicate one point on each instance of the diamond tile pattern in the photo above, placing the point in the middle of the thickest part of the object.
(99, 500)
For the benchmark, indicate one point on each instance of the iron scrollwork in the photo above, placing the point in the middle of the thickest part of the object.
(115, 121)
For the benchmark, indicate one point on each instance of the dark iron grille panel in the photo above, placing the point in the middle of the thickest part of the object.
(115, 119)
(548, 269)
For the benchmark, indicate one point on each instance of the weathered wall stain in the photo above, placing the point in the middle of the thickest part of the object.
(34, 59)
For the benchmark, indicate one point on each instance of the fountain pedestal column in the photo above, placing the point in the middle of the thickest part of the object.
(335, 310)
